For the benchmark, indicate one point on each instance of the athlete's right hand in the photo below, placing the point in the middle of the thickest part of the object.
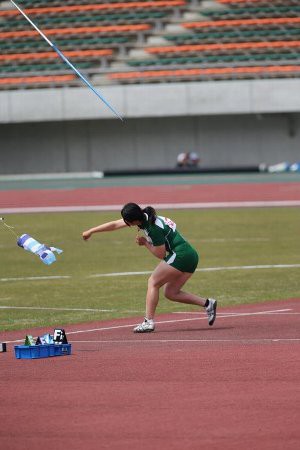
(86, 235)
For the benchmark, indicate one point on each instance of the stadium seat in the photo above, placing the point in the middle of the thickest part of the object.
(222, 39)
(242, 23)
(237, 35)
(223, 47)
(250, 12)
(204, 74)
(142, 5)
(46, 80)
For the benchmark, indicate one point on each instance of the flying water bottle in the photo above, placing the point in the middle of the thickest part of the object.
(45, 253)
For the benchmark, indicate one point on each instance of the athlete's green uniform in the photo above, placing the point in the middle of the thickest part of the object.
(181, 254)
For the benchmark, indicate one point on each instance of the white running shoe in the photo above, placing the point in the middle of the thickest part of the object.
(211, 310)
(146, 327)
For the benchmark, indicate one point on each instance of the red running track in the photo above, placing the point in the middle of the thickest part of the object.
(187, 386)
(151, 194)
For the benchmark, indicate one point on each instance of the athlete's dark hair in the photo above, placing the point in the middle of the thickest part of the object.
(151, 213)
(131, 212)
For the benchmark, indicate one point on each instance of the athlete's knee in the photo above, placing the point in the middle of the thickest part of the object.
(153, 282)
(170, 292)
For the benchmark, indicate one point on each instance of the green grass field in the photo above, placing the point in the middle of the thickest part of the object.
(224, 238)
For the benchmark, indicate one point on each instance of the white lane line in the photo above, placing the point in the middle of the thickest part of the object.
(217, 240)
(205, 269)
(233, 314)
(57, 309)
(148, 272)
(262, 266)
(153, 341)
(40, 308)
(198, 205)
(119, 274)
(54, 277)
(167, 321)
(118, 327)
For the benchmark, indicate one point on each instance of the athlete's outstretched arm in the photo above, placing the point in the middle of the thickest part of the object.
(108, 226)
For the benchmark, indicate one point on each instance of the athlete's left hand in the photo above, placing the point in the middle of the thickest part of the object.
(140, 240)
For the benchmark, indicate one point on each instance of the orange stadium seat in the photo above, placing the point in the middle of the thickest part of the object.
(51, 55)
(45, 79)
(222, 47)
(198, 73)
(249, 2)
(77, 31)
(97, 7)
(237, 22)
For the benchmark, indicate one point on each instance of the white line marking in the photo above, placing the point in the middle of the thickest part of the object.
(57, 309)
(148, 272)
(54, 277)
(198, 205)
(69, 309)
(174, 321)
(231, 314)
(204, 269)
(217, 240)
(117, 327)
(265, 266)
(162, 341)
(119, 274)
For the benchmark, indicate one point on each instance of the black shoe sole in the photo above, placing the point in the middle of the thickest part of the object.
(145, 331)
(215, 315)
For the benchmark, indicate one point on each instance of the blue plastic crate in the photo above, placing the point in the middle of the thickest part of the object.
(42, 351)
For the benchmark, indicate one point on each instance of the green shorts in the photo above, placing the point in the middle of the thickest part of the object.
(184, 258)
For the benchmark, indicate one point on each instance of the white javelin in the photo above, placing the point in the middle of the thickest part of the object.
(65, 59)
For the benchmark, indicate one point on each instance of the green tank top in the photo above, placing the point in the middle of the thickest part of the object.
(163, 231)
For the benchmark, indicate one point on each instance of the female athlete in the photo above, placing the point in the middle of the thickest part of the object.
(178, 260)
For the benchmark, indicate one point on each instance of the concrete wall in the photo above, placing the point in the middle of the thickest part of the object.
(152, 100)
(230, 123)
(87, 145)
